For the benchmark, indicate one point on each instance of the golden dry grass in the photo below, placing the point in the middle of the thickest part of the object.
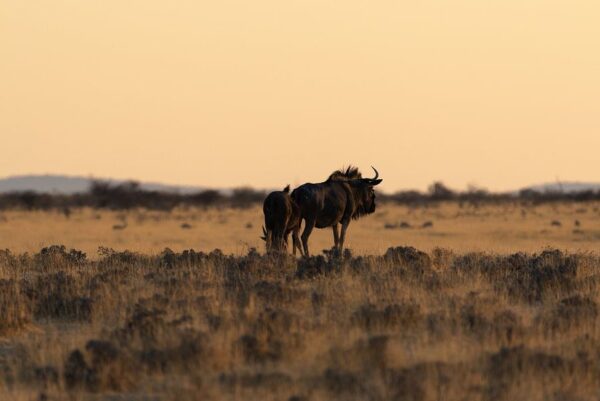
(503, 228)
(401, 324)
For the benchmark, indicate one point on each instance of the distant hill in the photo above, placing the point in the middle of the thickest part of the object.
(62, 184)
(568, 186)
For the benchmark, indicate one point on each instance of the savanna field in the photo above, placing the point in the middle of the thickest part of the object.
(437, 302)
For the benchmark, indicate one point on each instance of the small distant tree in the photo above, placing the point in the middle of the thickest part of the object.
(207, 197)
(120, 196)
(477, 190)
(439, 191)
(246, 197)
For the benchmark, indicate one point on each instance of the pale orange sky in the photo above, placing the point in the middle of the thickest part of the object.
(500, 93)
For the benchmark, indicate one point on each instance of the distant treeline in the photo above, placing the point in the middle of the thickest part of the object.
(439, 192)
(130, 195)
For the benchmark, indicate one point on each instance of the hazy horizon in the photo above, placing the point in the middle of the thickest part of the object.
(223, 94)
(63, 183)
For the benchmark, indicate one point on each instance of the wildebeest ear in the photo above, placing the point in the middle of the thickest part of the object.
(376, 182)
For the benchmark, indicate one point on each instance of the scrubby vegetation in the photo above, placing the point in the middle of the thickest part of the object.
(406, 325)
(130, 195)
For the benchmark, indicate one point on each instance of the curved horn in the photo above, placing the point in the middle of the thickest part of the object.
(373, 181)
(376, 173)
(369, 181)
(264, 237)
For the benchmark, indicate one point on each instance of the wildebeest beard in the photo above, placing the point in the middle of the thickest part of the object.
(362, 208)
(361, 211)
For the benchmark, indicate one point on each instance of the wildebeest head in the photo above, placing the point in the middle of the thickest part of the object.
(364, 194)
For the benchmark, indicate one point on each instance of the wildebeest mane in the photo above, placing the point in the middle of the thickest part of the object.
(350, 173)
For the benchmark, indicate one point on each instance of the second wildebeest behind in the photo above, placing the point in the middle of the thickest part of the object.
(343, 197)
(282, 217)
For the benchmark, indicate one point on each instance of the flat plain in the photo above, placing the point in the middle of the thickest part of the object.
(492, 302)
(506, 227)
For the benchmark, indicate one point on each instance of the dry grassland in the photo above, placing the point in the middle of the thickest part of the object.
(503, 228)
(375, 324)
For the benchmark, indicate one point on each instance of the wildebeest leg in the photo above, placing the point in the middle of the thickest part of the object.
(308, 227)
(336, 236)
(296, 241)
(284, 243)
(345, 225)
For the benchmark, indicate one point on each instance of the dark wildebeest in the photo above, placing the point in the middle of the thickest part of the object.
(282, 216)
(343, 197)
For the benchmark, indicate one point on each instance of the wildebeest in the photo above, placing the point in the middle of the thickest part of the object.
(282, 216)
(343, 197)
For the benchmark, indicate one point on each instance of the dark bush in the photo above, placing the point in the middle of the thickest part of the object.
(15, 311)
(58, 296)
